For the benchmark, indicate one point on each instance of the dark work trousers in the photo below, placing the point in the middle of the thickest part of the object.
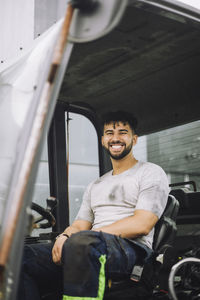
(88, 259)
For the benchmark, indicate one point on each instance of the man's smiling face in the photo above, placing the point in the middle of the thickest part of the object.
(118, 139)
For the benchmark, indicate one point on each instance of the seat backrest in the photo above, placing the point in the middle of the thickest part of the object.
(165, 229)
(189, 212)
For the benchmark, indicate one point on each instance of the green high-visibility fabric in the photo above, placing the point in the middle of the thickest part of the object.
(102, 282)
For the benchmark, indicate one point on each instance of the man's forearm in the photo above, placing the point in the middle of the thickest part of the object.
(138, 225)
(70, 230)
(122, 228)
(77, 226)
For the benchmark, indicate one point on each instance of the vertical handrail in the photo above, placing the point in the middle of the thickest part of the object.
(67, 158)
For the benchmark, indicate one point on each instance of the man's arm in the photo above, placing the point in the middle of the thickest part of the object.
(76, 226)
(139, 224)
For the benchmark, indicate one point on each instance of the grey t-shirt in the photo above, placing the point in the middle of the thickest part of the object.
(114, 197)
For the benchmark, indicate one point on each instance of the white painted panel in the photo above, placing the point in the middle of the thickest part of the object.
(18, 93)
(48, 12)
(16, 27)
(193, 3)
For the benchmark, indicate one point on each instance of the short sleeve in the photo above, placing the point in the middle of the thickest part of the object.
(85, 211)
(154, 190)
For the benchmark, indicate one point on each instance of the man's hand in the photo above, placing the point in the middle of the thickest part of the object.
(57, 249)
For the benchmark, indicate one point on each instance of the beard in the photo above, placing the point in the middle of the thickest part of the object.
(121, 155)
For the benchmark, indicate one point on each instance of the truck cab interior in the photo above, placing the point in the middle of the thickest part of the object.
(148, 65)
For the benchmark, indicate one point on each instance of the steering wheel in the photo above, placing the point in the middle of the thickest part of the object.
(45, 214)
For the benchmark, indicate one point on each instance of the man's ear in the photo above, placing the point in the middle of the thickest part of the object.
(135, 139)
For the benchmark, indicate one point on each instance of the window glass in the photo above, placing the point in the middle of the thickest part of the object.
(41, 186)
(83, 159)
(176, 150)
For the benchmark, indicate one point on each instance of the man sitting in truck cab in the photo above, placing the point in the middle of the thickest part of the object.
(113, 229)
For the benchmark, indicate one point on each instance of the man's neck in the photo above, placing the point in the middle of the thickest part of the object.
(119, 166)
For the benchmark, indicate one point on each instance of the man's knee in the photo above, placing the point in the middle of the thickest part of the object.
(82, 244)
(82, 259)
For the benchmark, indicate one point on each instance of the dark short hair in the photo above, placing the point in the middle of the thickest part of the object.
(120, 116)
